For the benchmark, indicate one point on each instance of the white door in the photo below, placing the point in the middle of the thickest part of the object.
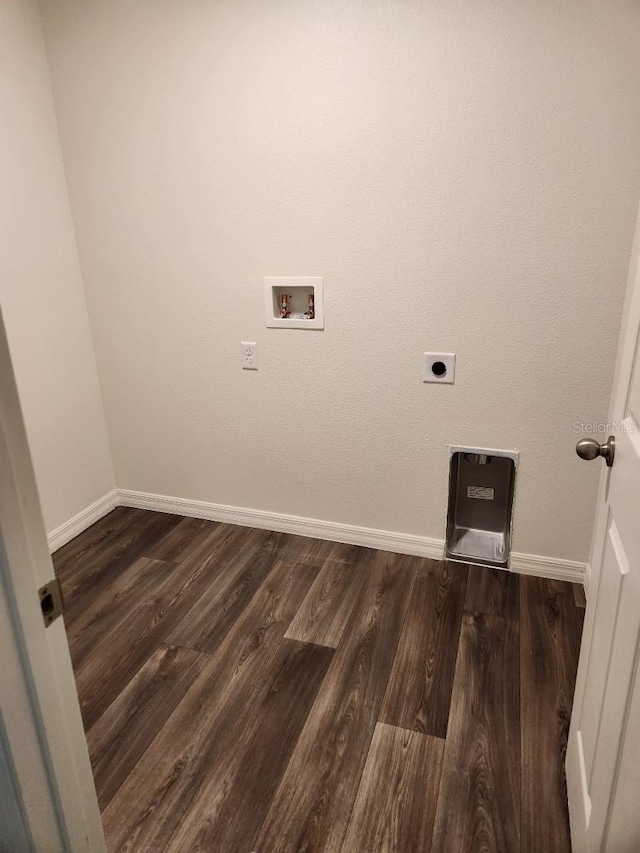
(48, 797)
(603, 753)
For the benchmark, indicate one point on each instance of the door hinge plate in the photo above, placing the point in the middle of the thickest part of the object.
(51, 602)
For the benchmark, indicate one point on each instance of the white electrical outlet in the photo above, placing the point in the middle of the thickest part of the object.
(249, 355)
(439, 367)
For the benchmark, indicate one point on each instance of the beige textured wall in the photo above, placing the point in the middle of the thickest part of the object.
(465, 176)
(41, 292)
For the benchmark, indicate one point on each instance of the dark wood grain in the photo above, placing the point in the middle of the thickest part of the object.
(396, 802)
(419, 692)
(112, 557)
(579, 595)
(120, 655)
(311, 808)
(327, 608)
(195, 740)
(213, 614)
(492, 591)
(479, 800)
(107, 610)
(230, 806)
(306, 551)
(181, 539)
(78, 554)
(550, 645)
(131, 722)
(263, 743)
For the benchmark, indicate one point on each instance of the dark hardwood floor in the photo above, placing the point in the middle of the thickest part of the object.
(244, 690)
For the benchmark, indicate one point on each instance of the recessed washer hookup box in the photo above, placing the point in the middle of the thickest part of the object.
(481, 490)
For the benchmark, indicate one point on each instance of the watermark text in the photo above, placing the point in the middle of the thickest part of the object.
(604, 428)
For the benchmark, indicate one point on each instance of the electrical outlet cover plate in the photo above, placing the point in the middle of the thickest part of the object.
(439, 368)
(249, 355)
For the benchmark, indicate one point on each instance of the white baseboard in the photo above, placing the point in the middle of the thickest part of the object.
(548, 567)
(72, 528)
(383, 540)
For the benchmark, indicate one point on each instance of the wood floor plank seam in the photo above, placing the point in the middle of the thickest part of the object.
(150, 623)
(114, 559)
(229, 807)
(104, 615)
(91, 721)
(357, 783)
(218, 607)
(124, 732)
(515, 622)
(230, 736)
(71, 558)
(313, 802)
(479, 798)
(420, 686)
(395, 804)
(335, 589)
(415, 731)
(187, 648)
(198, 737)
(181, 539)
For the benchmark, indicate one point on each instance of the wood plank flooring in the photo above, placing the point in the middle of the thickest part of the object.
(395, 804)
(244, 690)
(419, 691)
(478, 802)
(550, 640)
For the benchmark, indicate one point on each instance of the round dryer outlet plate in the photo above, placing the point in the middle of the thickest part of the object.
(439, 368)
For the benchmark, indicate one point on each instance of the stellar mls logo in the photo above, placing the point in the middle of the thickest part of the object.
(601, 427)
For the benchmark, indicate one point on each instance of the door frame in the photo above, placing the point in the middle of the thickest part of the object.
(68, 818)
